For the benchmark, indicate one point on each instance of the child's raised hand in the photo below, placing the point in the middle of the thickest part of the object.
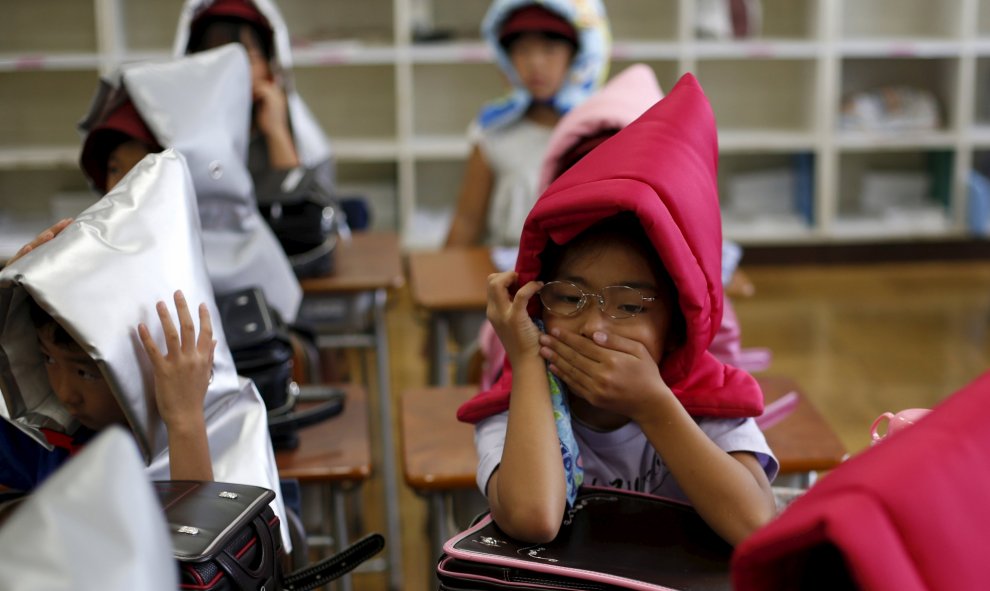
(183, 374)
(611, 372)
(271, 116)
(271, 107)
(46, 235)
(508, 315)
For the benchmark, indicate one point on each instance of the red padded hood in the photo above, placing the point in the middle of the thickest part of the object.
(909, 513)
(663, 168)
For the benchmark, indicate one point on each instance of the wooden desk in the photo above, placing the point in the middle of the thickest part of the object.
(437, 450)
(331, 456)
(335, 451)
(450, 279)
(365, 268)
(446, 283)
(438, 455)
(803, 442)
(371, 260)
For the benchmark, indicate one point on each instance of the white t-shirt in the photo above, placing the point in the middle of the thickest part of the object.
(515, 154)
(624, 458)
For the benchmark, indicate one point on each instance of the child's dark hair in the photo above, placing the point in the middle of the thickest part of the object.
(224, 30)
(624, 229)
(42, 320)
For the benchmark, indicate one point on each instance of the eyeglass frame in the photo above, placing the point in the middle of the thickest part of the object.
(599, 295)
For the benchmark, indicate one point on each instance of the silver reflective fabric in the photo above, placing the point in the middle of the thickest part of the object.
(311, 143)
(99, 279)
(201, 106)
(94, 524)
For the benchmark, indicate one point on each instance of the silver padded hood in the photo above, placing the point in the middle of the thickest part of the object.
(201, 106)
(101, 277)
(95, 524)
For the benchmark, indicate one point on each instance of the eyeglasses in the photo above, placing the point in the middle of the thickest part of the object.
(563, 298)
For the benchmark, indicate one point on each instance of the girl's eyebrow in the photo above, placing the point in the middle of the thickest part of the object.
(577, 279)
(641, 285)
(573, 279)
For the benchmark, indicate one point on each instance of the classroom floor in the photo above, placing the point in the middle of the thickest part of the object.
(861, 340)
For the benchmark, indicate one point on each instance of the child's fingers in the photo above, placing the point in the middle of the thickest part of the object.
(205, 341)
(186, 326)
(60, 225)
(576, 379)
(149, 344)
(171, 335)
(600, 340)
(567, 356)
(47, 234)
(526, 292)
(21, 252)
(500, 282)
(498, 289)
(618, 343)
(43, 237)
(568, 342)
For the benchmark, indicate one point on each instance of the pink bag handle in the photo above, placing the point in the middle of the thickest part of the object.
(876, 425)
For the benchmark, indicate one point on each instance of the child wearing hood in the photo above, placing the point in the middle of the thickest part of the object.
(76, 360)
(624, 98)
(606, 322)
(555, 54)
(284, 133)
(181, 377)
(144, 108)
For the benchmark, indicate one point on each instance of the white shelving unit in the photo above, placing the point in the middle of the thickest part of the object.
(396, 108)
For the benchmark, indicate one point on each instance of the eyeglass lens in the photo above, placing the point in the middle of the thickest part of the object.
(566, 299)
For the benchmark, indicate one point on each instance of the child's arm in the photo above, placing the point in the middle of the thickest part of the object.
(182, 377)
(729, 490)
(468, 224)
(46, 235)
(272, 119)
(526, 493)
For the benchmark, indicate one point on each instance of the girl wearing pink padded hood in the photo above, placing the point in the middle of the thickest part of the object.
(606, 322)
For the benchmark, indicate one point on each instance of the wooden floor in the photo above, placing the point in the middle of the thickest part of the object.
(860, 339)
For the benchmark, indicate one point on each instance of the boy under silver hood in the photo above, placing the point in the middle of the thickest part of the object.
(100, 278)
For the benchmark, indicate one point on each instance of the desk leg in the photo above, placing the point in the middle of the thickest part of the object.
(802, 480)
(438, 532)
(438, 363)
(341, 538)
(393, 531)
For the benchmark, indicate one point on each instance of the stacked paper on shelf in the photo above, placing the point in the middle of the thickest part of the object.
(882, 191)
(761, 193)
(925, 220)
(893, 108)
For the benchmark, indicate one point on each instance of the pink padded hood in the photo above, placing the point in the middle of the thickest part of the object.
(616, 105)
(663, 168)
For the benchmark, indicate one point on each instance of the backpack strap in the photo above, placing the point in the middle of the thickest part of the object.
(336, 566)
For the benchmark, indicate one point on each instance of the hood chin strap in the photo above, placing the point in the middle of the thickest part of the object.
(570, 453)
(62, 440)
